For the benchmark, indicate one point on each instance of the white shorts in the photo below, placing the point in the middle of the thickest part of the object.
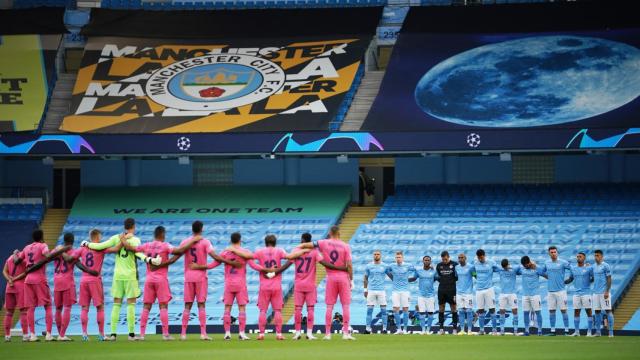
(600, 303)
(557, 299)
(427, 304)
(486, 299)
(464, 301)
(377, 298)
(581, 302)
(400, 299)
(508, 301)
(531, 303)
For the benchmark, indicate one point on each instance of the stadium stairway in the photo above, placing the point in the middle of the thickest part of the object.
(52, 225)
(628, 305)
(60, 103)
(362, 101)
(352, 219)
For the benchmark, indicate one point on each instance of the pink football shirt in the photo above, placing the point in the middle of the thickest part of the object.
(337, 253)
(270, 257)
(153, 249)
(32, 254)
(197, 254)
(92, 260)
(14, 270)
(235, 279)
(63, 272)
(305, 278)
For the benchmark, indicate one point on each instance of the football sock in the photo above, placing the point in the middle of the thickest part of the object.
(59, 319)
(262, 321)
(462, 318)
(369, 316)
(576, 323)
(310, 317)
(481, 318)
(100, 320)
(48, 318)
(277, 319)
(383, 314)
(84, 319)
(590, 324)
(297, 317)
(164, 320)
(539, 320)
(346, 317)
(470, 319)
(422, 320)
(115, 317)
(186, 313)
(226, 320)
(610, 319)
(405, 319)
(8, 322)
(131, 318)
(242, 321)
(565, 320)
(66, 319)
(527, 321)
(552, 320)
(396, 318)
(202, 317)
(23, 321)
(31, 320)
(143, 321)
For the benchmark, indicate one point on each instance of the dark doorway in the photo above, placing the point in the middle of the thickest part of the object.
(66, 187)
(384, 180)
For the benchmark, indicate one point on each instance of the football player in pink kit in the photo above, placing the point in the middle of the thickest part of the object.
(270, 292)
(195, 278)
(64, 286)
(156, 285)
(235, 286)
(91, 288)
(339, 283)
(36, 289)
(13, 297)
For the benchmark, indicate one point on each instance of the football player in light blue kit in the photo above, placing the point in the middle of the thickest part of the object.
(400, 295)
(464, 296)
(531, 300)
(581, 276)
(554, 270)
(485, 295)
(374, 278)
(427, 295)
(508, 297)
(602, 292)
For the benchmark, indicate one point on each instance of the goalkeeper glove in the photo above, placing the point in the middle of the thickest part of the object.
(271, 275)
(153, 261)
(84, 243)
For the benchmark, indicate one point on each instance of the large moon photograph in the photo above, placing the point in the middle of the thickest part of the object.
(532, 81)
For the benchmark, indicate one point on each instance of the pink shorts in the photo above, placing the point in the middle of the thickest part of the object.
(301, 297)
(266, 297)
(37, 295)
(240, 296)
(91, 291)
(194, 291)
(14, 299)
(335, 287)
(157, 290)
(64, 297)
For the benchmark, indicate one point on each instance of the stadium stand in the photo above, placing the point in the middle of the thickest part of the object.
(320, 207)
(507, 222)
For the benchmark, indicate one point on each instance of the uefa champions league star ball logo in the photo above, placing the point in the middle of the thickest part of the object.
(473, 140)
(215, 83)
(184, 143)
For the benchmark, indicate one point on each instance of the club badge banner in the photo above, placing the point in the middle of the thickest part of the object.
(27, 71)
(128, 85)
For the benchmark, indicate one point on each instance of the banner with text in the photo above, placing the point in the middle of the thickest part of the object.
(128, 85)
(27, 71)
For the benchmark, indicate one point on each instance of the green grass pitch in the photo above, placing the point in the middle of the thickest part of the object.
(387, 347)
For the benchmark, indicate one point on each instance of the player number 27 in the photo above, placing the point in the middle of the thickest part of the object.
(302, 268)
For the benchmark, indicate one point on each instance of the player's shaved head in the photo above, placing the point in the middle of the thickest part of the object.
(504, 263)
(377, 255)
(270, 240)
(462, 259)
(159, 232)
(69, 238)
(235, 238)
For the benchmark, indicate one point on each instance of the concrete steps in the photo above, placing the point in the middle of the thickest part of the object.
(60, 104)
(362, 101)
(628, 306)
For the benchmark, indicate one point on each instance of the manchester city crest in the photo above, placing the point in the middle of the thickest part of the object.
(215, 83)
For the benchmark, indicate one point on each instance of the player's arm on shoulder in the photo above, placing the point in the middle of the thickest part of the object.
(183, 248)
(389, 272)
(111, 242)
(569, 280)
(296, 253)
(243, 254)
